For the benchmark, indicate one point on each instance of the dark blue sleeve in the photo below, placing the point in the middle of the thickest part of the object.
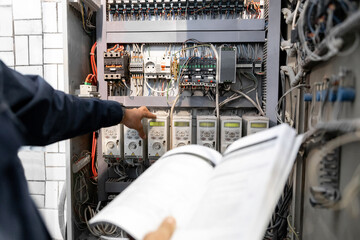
(48, 115)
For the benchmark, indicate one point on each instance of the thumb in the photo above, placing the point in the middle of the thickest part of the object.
(168, 226)
(164, 232)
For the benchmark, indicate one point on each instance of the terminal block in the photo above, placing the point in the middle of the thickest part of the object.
(136, 65)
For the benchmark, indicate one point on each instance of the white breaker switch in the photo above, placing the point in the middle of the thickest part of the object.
(112, 141)
(206, 131)
(231, 129)
(158, 135)
(133, 144)
(181, 129)
(253, 124)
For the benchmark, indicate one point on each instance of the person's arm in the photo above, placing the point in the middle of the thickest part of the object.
(49, 115)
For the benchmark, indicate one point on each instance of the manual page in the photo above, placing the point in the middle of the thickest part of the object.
(171, 187)
(240, 196)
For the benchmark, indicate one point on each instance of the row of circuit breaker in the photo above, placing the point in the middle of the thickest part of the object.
(141, 10)
(191, 71)
(122, 142)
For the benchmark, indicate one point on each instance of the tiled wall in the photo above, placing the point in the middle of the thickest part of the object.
(31, 42)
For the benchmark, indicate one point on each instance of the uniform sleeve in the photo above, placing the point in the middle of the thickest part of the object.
(48, 115)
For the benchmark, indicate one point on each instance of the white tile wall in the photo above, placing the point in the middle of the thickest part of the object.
(21, 9)
(49, 17)
(61, 84)
(5, 2)
(34, 164)
(35, 46)
(6, 43)
(52, 148)
(61, 185)
(27, 27)
(53, 56)
(59, 14)
(30, 70)
(50, 217)
(6, 26)
(37, 187)
(35, 50)
(39, 200)
(50, 74)
(53, 40)
(51, 197)
(55, 159)
(21, 50)
(7, 58)
(55, 174)
(62, 146)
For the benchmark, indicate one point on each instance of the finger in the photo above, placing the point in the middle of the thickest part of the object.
(141, 132)
(148, 114)
(167, 227)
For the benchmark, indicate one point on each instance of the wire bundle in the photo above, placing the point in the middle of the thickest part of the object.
(91, 79)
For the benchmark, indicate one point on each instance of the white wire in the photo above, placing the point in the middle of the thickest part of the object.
(154, 90)
(295, 14)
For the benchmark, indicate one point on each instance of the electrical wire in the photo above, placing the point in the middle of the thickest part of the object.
(292, 228)
(285, 94)
(93, 154)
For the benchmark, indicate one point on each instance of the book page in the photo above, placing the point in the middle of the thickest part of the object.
(168, 187)
(240, 197)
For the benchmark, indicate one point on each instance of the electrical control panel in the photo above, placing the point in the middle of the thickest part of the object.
(158, 135)
(227, 65)
(254, 124)
(181, 128)
(181, 60)
(133, 144)
(230, 131)
(206, 131)
(112, 141)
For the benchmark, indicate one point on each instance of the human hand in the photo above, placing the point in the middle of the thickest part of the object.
(132, 119)
(164, 232)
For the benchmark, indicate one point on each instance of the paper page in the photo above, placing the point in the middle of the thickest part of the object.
(173, 181)
(237, 203)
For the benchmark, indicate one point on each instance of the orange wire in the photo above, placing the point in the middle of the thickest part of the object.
(93, 151)
(110, 49)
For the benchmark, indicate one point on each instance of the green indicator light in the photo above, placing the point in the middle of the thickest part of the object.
(258, 125)
(207, 124)
(157, 124)
(231, 125)
(181, 124)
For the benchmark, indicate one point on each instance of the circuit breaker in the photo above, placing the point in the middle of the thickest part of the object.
(181, 129)
(158, 135)
(207, 131)
(133, 144)
(112, 141)
(254, 124)
(231, 130)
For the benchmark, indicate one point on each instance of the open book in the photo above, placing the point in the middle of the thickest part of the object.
(211, 196)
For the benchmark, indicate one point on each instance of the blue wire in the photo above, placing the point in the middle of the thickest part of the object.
(311, 8)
